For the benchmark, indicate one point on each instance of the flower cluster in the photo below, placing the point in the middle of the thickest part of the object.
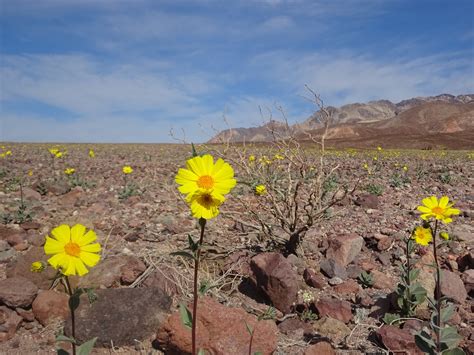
(205, 183)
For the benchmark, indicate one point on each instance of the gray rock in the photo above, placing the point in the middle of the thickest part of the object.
(452, 286)
(121, 315)
(331, 268)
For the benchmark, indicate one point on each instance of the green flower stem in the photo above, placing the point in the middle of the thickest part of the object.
(73, 321)
(202, 223)
(408, 275)
(438, 290)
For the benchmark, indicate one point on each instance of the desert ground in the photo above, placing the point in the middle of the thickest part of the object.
(328, 294)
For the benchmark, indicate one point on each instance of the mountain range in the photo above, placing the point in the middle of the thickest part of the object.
(443, 121)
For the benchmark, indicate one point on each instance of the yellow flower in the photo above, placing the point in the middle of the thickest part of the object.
(444, 235)
(260, 190)
(8, 152)
(58, 154)
(205, 203)
(278, 157)
(73, 249)
(30, 173)
(127, 169)
(422, 236)
(440, 210)
(69, 171)
(375, 158)
(405, 168)
(2, 155)
(91, 153)
(37, 266)
(366, 166)
(379, 148)
(53, 151)
(203, 174)
(252, 158)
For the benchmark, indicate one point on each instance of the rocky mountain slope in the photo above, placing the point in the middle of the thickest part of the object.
(435, 121)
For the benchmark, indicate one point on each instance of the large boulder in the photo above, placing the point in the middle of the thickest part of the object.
(344, 248)
(220, 330)
(17, 292)
(274, 275)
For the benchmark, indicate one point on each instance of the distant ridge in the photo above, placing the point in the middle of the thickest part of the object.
(443, 121)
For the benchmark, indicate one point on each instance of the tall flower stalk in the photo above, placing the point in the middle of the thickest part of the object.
(204, 183)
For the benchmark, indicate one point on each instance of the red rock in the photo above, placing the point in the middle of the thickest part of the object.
(30, 194)
(468, 278)
(15, 238)
(72, 197)
(221, 330)
(9, 323)
(368, 201)
(347, 287)
(50, 306)
(382, 281)
(293, 326)
(313, 279)
(398, 340)
(344, 248)
(334, 308)
(164, 277)
(452, 286)
(26, 314)
(131, 270)
(17, 292)
(30, 225)
(274, 275)
(321, 348)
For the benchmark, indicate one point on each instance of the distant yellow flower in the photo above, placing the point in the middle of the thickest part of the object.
(260, 190)
(30, 173)
(203, 174)
(53, 151)
(91, 153)
(73, 249)
(252, 158)
(59, 155)
(379, 148)
(278, 157)
(422, 236)
(441, 210)
(2, 155)
(444, 235)
(375, 158)
(127, 169)
(366, 166)
(69, 171)
(37, 266)
(205, 203)
(8, 152)
(405, 168)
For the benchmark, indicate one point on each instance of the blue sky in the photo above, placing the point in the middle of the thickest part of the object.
(131, 70)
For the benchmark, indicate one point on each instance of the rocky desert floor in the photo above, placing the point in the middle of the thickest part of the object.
(310, 303)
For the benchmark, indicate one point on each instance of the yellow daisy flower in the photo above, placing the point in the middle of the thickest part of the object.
(73, 249)
(440, 210)
(37, 266)
(58, 155)
(127, 169)
(53, 151)
(205, 203)
(69, 171)
(252, 158)
(91, 153)
(444, 235)
(260, 190)
(422, 236)
(203, 174)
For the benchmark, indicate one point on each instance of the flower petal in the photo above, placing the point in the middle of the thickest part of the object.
(87, 238)
(77, 232)
(58, 260)
(424, 209)
(52, 246)
(443, 202)
(62, 233)
(90, 259)
(185, 176)
(91, 248)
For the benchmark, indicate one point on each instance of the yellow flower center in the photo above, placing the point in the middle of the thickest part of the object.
(437, 210)
(205, 182)
(72, 249)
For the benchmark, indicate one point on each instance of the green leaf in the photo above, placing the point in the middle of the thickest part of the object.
(249, 328)
(450, 337)
(413, 274)
(390, 318)
(62, 337)
(195, 154)
(455, 351)
(447, 313)
(183, 253)
(74, 302)
(91, 295)
(258, 353)
(425, 343)
(202, 352)
(86, 348)
(186, 316)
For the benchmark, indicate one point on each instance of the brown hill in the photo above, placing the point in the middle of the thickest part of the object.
(437, 121)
